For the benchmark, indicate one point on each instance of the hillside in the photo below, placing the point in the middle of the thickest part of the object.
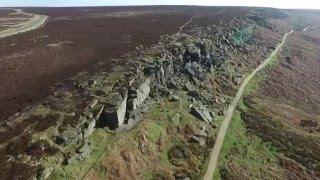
(141, 93)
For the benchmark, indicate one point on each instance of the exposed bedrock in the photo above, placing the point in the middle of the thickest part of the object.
(114, 112)
(139, 95)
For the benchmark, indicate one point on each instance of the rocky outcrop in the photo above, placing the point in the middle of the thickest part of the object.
(138, 96)
(114, 112)
(163, 73)
(89, 128)
(69, 135)
(201, 112)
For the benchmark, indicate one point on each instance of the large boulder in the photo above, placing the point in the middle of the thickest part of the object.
(192, 91)
(192, 53)
(201, 112)
(195, 70)
(189, 69)
(141, 94)
(114, 112)
(89, 128)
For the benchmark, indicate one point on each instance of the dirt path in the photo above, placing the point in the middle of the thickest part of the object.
(311, 27)
(190, 21)
(35, 22)
(186, 24)
(225, 123)
(183, 26)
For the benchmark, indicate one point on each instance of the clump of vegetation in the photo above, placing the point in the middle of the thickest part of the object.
(261, 21)
(242, 36)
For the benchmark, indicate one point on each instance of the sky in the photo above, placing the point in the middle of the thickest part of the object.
(290, 4)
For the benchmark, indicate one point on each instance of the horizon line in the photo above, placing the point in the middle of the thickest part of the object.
(79, 6)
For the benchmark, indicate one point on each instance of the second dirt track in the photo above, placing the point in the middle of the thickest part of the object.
(34, 22)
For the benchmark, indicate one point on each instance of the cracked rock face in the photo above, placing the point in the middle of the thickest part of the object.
(137, 97)
(90, 128)
(113, 114)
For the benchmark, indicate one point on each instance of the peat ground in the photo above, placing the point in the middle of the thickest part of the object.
(76, 39)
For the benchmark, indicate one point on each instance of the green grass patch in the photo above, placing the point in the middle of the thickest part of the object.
(273, 63)
(158, 127)
(154, 130)
(148, 175)
(256, 81)
(246, 150)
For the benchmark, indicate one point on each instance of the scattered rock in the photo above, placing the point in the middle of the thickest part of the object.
(70, 135)
(174, 97)
(201, 136)
(174, 84)
(189, 70)
(191, 90)
(180, 175)
(80, 155)
(143, 143)
(88, 113)
(199, 140)
(72, 160)
(84, 151)
(81, 121)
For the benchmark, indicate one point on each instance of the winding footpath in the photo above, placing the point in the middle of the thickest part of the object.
(35, 22)
(187, 23)
(311, 27)
(228, 116)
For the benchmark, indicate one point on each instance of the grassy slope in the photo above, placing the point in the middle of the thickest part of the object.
(244, 155)
(157, 125)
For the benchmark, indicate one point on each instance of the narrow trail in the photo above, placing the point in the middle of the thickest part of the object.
(35, 22)
(311, 27)
(226, 121)
(187, 23)
(190, 21)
